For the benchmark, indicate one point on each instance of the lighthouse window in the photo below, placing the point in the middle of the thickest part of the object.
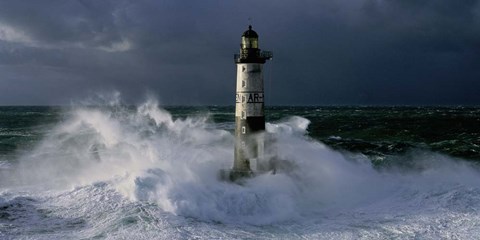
(244, 115)
(243, 130)
(244, 84)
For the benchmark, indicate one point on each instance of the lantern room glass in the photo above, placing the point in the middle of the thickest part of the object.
(249, 42)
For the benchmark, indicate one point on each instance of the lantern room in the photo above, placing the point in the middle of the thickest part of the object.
(249, 39)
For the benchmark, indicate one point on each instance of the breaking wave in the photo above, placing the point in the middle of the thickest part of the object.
(105, 171)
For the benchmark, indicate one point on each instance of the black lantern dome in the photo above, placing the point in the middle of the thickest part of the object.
(250, 33)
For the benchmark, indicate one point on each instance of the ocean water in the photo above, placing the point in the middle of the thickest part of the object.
(109, 171)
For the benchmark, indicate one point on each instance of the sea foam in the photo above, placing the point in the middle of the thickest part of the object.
(147, 156)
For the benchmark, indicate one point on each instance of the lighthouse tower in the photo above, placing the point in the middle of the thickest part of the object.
(249, 106)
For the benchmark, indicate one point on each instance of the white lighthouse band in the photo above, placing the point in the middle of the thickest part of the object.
(249, 100)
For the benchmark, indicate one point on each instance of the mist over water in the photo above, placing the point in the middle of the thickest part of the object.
(120, 172)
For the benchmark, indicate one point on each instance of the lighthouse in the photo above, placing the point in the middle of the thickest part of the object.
(249, 106)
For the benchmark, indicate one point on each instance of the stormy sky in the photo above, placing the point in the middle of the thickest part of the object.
(383, 52)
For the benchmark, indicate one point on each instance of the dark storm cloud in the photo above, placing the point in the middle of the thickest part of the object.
(64, 23)
(326, 52)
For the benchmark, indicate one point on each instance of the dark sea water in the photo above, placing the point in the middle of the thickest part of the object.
(146, 172)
